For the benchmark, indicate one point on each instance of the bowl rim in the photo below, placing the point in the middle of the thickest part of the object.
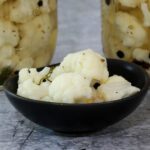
(142, 90)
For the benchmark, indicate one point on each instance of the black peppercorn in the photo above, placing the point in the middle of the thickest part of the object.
(96, 85)
(40, 3)
(120, 54)
(108, 2)
(44, 80)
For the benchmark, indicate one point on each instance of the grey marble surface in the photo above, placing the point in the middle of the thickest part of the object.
(79, 28)
(18, 133)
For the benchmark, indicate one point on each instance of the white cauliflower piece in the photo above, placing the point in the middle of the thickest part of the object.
(131, 31)
(25, 10)
(56, 72)
(32, 73)
(33, 91)
(38, 76)
(116, 78)
(8, 34)
(31, 83)
(116, 88)
(36, 34)
(88, 63)
(24, 74)
(70, 88)
(141, 55)
(2, 1)
(146, 14)
(129, 3)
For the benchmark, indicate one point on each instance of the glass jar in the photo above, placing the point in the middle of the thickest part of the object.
(28, 30)
(126, 30)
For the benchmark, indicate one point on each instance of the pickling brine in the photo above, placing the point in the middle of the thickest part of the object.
(28, 30)
(126, 30)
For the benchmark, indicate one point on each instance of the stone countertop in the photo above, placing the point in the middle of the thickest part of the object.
(79, 28)
(18, 133)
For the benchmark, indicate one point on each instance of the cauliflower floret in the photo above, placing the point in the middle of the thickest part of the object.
(31, 83)
(32, 73)
(24, 74)
(70, 88)
(6, 51)
(2, 1)
(8, 34)
(36, 34)
(146, 13)
(141, 55)
(33, 91)
(130, 3)
(118, 50)
(6, 55)
(116, 88)
(116, 78)
(25, 10)
(37, 76)
(89, 63)
(131, 31)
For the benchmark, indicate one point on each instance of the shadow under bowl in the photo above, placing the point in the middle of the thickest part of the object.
(79, 118)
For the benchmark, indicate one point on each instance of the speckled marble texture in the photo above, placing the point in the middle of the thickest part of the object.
(79, 28)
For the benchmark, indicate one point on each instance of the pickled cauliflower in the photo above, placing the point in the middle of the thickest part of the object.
(69, 88)
(116, 88)
(33, 84)
(33, 91)
(87, 62)
(130, 30)
(39, 34)
(6, 54)
(2, 1)
(25, 10)
(146, 14)
(9, 34)
(141, 55)
(129, 3)
(32, 73)
(82, 77)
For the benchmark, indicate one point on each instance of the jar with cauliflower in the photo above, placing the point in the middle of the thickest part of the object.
(28, 30)
(126, 30)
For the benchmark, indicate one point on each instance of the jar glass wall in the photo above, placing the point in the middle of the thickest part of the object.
(28, 31)
(126, 30)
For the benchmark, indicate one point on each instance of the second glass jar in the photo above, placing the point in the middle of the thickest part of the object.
(126, 30)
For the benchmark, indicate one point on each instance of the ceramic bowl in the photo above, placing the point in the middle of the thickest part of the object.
(77, 118)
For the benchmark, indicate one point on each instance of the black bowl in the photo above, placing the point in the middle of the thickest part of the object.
(78, 118)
